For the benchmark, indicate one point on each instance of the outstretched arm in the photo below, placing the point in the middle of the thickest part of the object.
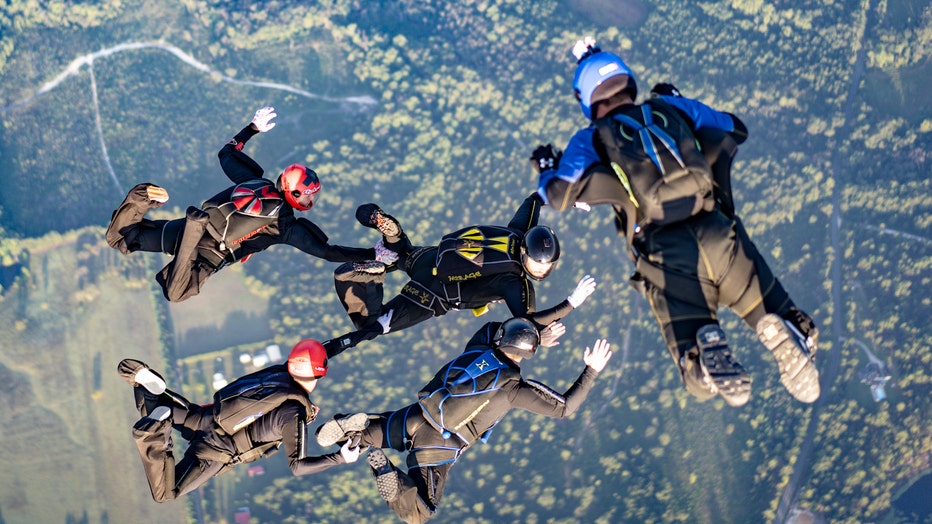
(538, 398)
(578, 177)
(238, 166)
(306, 236)
(294, 441)
(584, 288)
(527, 215)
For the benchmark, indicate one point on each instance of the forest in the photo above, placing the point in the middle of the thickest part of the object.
(431, 109)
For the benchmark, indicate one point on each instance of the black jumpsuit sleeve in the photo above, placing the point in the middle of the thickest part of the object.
(528, 214)
(294, 440)
(552, 314)
(597, 186)
(540, 399)
(519, 295)
(306, 236)
(238, 166)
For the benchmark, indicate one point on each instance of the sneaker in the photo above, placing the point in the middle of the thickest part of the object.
(160, 413)
(337, 428)
(723, 373)
(791, 349)
(370, 215)
(386, 478)
(157, 194)
(136, 373)
(371, 267)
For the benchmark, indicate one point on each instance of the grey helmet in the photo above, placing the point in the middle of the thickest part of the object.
(517, 336)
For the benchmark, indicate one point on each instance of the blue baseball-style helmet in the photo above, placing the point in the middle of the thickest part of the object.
(593, 70)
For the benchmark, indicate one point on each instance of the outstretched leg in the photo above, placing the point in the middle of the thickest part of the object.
(789, 346)
(128, 230)
(167, 480)
(360, 288)
(395, 239)
(183, 276)
(414, 495)
(751, 290)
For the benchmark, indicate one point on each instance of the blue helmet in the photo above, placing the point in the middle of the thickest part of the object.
(595, 67)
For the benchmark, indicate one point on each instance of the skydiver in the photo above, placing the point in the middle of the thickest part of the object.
(689, 249)
(255, 428)
(458, 407)
(469, 269)
(250, 216)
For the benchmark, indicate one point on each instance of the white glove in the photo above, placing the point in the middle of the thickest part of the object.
(584, 288)
(384, 255)
(263, 117)
(386, 321)
(349, 454)
(584, 206)
(582, 47)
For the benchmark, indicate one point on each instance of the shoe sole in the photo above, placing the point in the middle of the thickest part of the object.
(371, 268)
(798, 374)
(729, 378)
(157, 194)
(334, 430)
(160, 413)
(137, 373)
(146, 378)
(386, 478)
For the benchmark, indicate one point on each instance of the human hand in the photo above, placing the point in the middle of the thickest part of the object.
(550, 334)
(384, 255)
(545, 157)
(598, 356)
(584, 288)
(584, 48)
(263, 117)
(665, 89)
(349, 452)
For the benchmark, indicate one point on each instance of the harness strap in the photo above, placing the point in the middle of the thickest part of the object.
(424, 298)
(433, 456)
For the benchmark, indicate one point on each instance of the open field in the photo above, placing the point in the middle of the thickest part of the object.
(65, 442)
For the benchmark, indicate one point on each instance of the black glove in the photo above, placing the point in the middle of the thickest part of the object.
(545, 157)
(665, 89)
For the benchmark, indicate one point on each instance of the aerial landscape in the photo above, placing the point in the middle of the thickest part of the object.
(432, 110)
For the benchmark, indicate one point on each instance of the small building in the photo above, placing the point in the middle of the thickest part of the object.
(261, 360)
(274, 352)
(875, 375)
(219, 381)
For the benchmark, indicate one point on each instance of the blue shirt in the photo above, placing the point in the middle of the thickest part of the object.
(580, 153)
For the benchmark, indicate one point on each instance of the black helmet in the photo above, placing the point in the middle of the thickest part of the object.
(517, 336)
(540, 244)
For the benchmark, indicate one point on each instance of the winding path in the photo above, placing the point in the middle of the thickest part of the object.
(804, 460)
(77, 65)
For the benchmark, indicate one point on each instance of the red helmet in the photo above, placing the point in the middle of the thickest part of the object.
(299, 185)
(308, 359)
